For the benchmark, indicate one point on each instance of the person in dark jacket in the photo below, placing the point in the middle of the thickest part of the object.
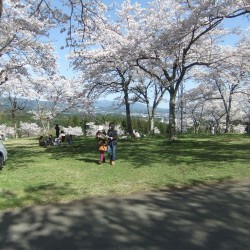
(112, 143)
(57, 128)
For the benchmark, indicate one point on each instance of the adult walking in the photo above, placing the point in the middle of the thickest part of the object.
(112, 143)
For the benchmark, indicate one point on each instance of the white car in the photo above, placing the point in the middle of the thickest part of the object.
(3, 155)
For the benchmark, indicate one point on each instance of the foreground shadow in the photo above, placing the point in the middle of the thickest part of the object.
(202, 217)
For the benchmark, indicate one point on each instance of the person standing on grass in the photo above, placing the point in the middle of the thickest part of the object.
(102, 144)
(57, 128)
(112, 142)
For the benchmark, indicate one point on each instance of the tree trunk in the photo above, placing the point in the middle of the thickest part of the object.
(15, 128)
(172, 118)
(1, 7)
(151, 122)
(14, 116)
(128, 116)
(48, 126)
(228, 116)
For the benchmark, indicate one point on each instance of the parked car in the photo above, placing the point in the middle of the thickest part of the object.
(3, 155)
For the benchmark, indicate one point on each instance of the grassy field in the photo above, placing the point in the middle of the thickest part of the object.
(37, 175)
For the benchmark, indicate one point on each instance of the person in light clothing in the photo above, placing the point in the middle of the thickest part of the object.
(102, 143)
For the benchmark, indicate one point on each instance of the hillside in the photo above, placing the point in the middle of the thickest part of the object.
(100, 106)
(106, 106)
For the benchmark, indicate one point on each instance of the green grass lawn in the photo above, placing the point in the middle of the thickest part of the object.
(37, 175)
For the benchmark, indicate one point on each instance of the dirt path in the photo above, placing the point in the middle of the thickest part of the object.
(204, 217)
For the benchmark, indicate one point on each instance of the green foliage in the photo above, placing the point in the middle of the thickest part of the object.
(38, 175)
(74, 121)
(163, 127)
(5, 117)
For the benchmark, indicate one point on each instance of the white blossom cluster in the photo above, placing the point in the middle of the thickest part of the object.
(92, 128)
(6, 131)
(76, 131)
(29, 129)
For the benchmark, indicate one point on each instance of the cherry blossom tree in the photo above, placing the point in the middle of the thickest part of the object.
(110, 52)
(170, 45)
(17, 95)
(55, 95)
(144, 90)
(194, 104)
(228, 79)
(76, 131)
(69, 15)
(103, 65)
(166, 47)
(29, 129)
(16, 107)
(106, 66)
(209, 106)
(117, 79)
(51, 96)
(24, 45)
(201, 110)
(7, 131)
(24, 52)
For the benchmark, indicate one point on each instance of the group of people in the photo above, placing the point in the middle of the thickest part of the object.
(50, 141)
(107, 142)
(44, 142)
(60, 138)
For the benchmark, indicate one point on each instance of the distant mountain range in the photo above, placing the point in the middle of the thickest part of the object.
(29, 104)
(107, 106)
(100, 106)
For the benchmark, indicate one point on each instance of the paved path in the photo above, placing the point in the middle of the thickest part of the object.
(207, 217)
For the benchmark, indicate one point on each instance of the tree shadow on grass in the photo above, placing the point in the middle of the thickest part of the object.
(199, 218)
(24, 154)
(21, 156)
(145, 152)
(190, 152)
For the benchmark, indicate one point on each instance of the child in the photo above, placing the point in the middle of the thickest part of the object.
(102, 144)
